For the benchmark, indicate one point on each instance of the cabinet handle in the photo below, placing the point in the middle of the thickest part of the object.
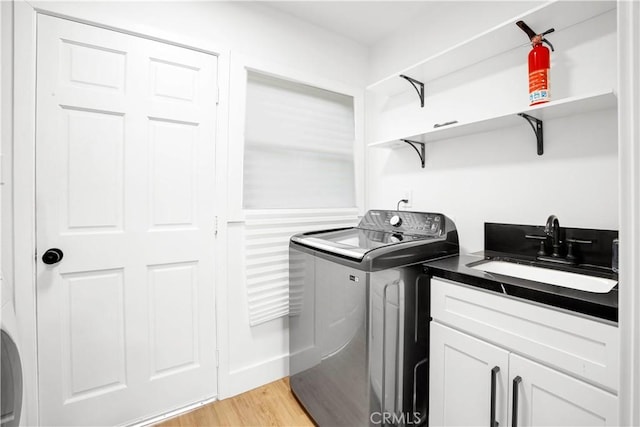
(514, 417)
(492, 420)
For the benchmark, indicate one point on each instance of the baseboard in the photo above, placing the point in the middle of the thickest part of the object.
(172, 414)
(250, 377)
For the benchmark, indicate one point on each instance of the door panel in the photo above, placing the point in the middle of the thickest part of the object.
(93, 306)
(173, 173)
(460, 372)
(547, 397)
(174, 339)
(125, 173)
(94, 143)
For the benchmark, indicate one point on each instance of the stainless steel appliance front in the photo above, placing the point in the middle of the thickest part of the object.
(358, 328)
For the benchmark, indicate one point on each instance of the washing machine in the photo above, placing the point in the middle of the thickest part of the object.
(12, 397)
(359, 318)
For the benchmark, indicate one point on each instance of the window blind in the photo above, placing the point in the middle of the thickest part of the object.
(298, 175)
(268, 277)
(298, 146)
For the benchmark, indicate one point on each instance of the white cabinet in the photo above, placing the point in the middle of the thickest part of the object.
(462, 386)
(483, 344)
(546, 397)
(460, 383)
(581, 347)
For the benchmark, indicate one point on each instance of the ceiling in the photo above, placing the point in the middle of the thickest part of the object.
(363, 21)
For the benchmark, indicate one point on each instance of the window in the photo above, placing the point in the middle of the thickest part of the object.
(298, 176)
(299, 146)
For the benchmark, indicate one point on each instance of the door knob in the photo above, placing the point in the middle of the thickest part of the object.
(52, 256)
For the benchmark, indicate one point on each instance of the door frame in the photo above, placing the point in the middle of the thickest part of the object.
(23, 179)
(629, 205)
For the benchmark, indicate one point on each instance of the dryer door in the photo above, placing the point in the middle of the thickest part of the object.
(11, 397)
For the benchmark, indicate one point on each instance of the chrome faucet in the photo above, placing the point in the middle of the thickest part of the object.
(552, 229)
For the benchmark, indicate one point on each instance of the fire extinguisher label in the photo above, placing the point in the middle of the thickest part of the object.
(539, 86)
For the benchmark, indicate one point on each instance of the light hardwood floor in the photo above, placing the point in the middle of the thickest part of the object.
(269, 405)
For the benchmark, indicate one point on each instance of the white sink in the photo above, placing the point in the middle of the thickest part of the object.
(545, 275)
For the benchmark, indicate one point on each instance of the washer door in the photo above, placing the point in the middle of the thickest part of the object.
(11, 397)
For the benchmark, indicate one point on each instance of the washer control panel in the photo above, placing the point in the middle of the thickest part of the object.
(422, 223)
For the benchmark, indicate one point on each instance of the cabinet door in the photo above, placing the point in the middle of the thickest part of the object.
(461, 379)
(546, 397)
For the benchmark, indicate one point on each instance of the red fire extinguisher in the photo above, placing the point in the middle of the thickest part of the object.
(539, 65)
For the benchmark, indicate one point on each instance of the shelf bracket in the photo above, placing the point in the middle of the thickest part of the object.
(536, 125)
(418, 86)
(421, 151)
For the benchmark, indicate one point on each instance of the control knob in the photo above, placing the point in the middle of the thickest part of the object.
(395, 238)
(395, 221)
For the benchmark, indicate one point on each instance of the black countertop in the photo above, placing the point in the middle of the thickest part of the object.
(603, 306)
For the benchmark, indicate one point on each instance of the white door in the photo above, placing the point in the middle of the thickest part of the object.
(460, 379)
(546, 397)
(125, 188)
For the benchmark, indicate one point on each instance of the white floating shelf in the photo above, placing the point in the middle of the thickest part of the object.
(497, 40)
(551, 110)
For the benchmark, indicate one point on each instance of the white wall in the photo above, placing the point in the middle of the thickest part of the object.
(249, 28)
(451, 22)
(497, 176)
(6, 126)
(258, 34)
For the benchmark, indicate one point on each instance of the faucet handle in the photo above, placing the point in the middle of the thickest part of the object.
(580, 241)
(535, 236)
(570, 242)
